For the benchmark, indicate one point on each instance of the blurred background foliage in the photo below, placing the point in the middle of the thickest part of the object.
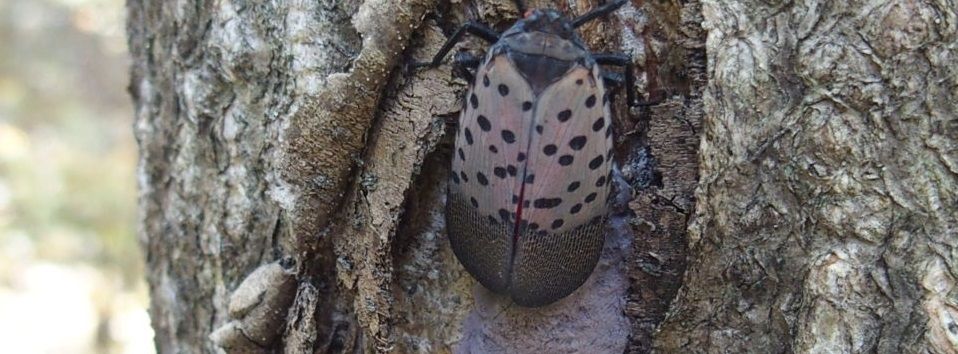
(70, 267)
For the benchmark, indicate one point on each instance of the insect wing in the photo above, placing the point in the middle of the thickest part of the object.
(486, 172)
(564, 217)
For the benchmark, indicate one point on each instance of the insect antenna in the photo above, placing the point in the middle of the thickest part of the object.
(598, 12)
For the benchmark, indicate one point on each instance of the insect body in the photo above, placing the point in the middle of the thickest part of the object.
(531, 172)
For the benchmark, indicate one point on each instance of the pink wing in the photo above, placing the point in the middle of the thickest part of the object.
(489, 147)
(567, 184)
(486, 172)
(569, 154)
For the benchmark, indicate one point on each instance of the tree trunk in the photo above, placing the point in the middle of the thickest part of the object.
(293, 172)
(826, 214)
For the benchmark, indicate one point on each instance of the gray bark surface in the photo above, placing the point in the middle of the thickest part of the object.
(826, 212)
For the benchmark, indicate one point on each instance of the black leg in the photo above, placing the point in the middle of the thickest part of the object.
(598, 12)
(625, 61)
(613, 84)
(472, 27)
(465, 64)
(613, 80)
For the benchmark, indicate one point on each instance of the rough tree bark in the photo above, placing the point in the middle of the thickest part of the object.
(828, 205)
(292, 179)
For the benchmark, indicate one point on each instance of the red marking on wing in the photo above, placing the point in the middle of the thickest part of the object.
(522, 199)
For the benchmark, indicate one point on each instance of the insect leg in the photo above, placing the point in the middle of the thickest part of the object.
(613, 83)
(623, 60)
(598, 12)
(465, 63)
(475, 28)
(613, 80)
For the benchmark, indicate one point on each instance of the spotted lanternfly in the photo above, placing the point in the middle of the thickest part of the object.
(532, 166)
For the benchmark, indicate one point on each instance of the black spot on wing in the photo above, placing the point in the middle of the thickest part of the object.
(508, 136)
(577, 143)
(484, 123)
(596, 162)
(547, 203)
(503, 89)
(549, 150)
(575, 208)
(557, 224)
(599, 124)
(482, 179)
(591, 197)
